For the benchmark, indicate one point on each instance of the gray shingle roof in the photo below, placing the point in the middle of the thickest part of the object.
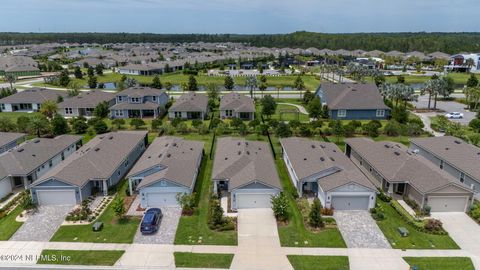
(462, 155)
(350, 96)
(309, 157)
(88, 99)
(242, 162)
(34, 95)
(237, 102)
(141, 92)
(190, 102)
(98, 159)
(178, 158)
(135, 106)
(8, 137)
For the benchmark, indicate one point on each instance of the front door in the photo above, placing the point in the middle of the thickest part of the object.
(400, 189)
(18, 181)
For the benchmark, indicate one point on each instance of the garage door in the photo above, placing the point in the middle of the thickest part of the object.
(253, 200)
(350, 202)
(56, 197)
(5, 187)
(447, 204)
(162, 199)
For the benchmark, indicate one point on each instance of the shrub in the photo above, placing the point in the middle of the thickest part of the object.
(280, 206)
(196, 123)
(187, 202)
(203, 129)
(393, 128)
(136, 123)
(118, 123)
(176, 121)
(156, 123)
(305, 130)
(28, 203)
(315, 217)
(383, 196)
(433, 225)
(183, 128)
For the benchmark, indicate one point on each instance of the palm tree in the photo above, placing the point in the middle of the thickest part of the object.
(279, 87)
(49, 108)
(251, 83)
(39, 124)
(10, 79)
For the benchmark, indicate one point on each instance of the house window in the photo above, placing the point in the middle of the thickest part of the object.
(63, 156)
(154, 98)
(120, 98)
(342, 113)
(163, 183)
(229, 113)
(178, 114)
(135, 100)
(361, 162)
(50, 163)
(380, 113)
(118, 113)
(462, 177)
(2, 106)
(68, 111)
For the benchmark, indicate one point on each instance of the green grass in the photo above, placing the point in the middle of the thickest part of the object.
(202, 260)
(458, 78)
(194, 229)
(300, 262)
(415, 239)
(440, 263)
(114, 230)
(80, 257)
(8, 225)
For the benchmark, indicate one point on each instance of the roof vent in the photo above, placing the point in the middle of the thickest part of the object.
(246, 143)
(174, 144)
(334, 150)
(304, 158)
(239, 152)
(101, 137)
(458, 142)
(238, 143)
(387, 146)
(36, 141)
(20, 150)
(33, 155)
(332, 159)
(322, 159)
(160, 155)
(248, 152)
(446, 148)
(166, 145)
(110, 138)
(169, 155)
(191, 149)
(226, 158)
(97, 149)
(313, 146)
(397, 153)
(322, 146)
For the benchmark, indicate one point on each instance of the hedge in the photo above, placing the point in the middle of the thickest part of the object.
(417, 225)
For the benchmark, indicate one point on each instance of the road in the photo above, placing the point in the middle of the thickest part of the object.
(447, 106)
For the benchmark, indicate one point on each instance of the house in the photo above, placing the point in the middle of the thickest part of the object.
(321, 169)
(245, 171)
(97, 166)
(94, 61)
(464, 63)
(139, 102)
(401, 172)
(353, 101)
(189, 106)
(459, 159)
(168, 167)
(237, 105)
(21, 166)
(18, 66)
(29, 100)
(84, 104)
(9, 140)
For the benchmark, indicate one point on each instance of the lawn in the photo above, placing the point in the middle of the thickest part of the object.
(300, 262)
(80, 257)
(458, 78)
(8, 225)
(287, 115)
(416, 239)
(194, 229)
(114, 230)
(202, 260)
(440, 263)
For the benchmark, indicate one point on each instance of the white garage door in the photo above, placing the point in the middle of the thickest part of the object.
(56, 197)
(253, 200)
(161, 199)
(5, 187)
(447, 204)
(350, 202)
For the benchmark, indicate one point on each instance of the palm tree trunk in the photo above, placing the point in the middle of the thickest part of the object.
(429, 99)
(435, 102)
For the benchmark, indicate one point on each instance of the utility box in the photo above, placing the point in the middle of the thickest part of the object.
(97, 226)
(403, 231)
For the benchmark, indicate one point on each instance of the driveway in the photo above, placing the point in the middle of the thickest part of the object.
(258, 242)
(167, 230)
(42, 225)
(447, 106)
(359, 230)
(463, 230)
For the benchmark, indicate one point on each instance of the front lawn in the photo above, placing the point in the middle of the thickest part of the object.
(8, 225)
(80, 257)
(415, 239)
(202, 260)
(114, 230)
(440, 263)
(300, 262)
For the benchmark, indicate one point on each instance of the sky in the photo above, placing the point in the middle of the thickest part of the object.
(240, 16)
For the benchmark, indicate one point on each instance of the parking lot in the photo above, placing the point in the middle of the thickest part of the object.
(447, 107)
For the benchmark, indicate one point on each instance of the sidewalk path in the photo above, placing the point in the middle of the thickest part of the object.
(300, 108)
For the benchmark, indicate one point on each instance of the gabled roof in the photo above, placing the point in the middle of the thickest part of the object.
(242, 162)
(309, 158)
(176, 157)
(190, 102)
(88, 99)
(148, 105)
(360, 96)
(8, 137)
(34, 95)
(237, 102)
(141, 92)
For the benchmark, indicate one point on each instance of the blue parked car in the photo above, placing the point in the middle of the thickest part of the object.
(151, 221)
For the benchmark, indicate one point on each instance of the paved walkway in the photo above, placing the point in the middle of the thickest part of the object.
(300, 108)
(359, 230)
(425, 117)
(407, 207)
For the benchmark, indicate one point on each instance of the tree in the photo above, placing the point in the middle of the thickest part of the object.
(136, 123)
(73, 89)
(307, 97)
(92, 82)
(371, 128)
(186, 201)
(59, 99)
(79, 125)
(49, 108)
(118, 206)
(315, 216)
(337, 129)
(99, 69)
(472, 81)
(156, 83)
(78, 73)
(59, 125)
(22, 123)
(475, 125)
(472, 95)
(251, 83)
(283, 130)
(262, 87)
(213, 91)
(314, 108)
(64, 78)
(156, 123)
(100, 126)
(229, 83)
(168, 86)
(39, 125)
(130, 82)
(101, 110)
(90, 71)
(400, 79)
(269, 106)
(236, 122)
(216, 212)
(192, 83)
(11, 79)
(280, 206)
(299, 84)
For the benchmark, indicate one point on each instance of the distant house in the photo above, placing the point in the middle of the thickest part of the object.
(168, 167)
(459, 159)
(401, 172)
(246, 172)
(142, 69)
(21, 166)
(189, 106)
(94, 61)
(464, 63)
(84, 104)
(9, 140)
(97, 166)
(322, 170)
(237, 105)
(349, 101)
(139, 102)
(18, 66)
(29, 100)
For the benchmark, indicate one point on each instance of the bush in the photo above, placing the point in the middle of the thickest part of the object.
(156, 123)
(393, 128)
(417, 224)
(280, 206)
(100, 127)
(118, 123)
(176, 121)
(187, 202)
(196, 123)
(136, 123)
(315, 217)
(383, 196)
(433, 225)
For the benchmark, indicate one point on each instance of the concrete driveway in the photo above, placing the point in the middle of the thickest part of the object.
(166, 231)
(359, 230)
(447, 106)
(42, 225)
(258, 242)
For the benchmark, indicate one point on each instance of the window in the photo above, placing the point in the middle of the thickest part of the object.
(135, 100)
(118, 173)
(154, 98)
(361, 162)
(68, 111)
(342, 113)
(229, 113)
(178, 114)
(462, 177)
(380, 113)
(163, 183)
(120, 98)
(50, 163)
(2, 106)
(63, 156)
(118, 113)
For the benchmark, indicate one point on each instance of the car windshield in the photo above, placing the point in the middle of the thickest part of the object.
(148, 218)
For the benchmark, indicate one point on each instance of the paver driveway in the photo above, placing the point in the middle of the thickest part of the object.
(167, 230)
(359, 230)
(43, 224)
